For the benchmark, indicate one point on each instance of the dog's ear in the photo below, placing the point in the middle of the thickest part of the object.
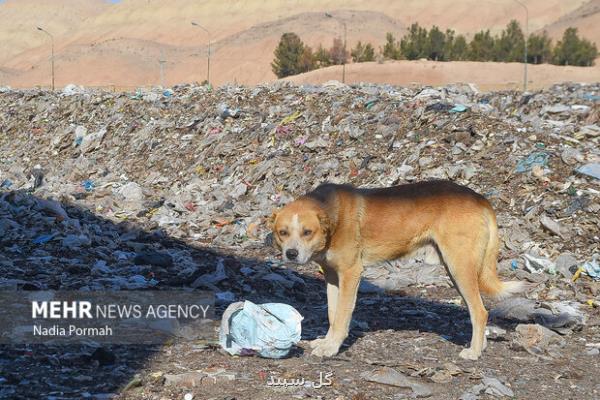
(324, 221)
(271, 220)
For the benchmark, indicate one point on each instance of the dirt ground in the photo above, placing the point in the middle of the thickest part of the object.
(418, 332)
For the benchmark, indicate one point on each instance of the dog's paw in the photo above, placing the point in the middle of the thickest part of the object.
(315, 343)
(469, 354)
(325, 348)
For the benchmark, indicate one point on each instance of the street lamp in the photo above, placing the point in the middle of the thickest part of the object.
(52, 59)
(328, 15)
(208, 57)
(526, 39)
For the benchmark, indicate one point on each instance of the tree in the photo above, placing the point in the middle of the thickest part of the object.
(307, 60)
(510, 47)
(322, 57)
(539, 48)
(460, 49)
(363, 53)
(436, 44)
(414, 45)
(288, 55)
(481, 47)
(338, 53)
(572, 50)
(391, 49)
(449, 45)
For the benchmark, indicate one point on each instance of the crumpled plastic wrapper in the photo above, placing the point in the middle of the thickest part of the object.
(269, 330)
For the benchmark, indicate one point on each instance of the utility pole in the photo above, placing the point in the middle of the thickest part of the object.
(162, 62)
(208, 56)
(52, 57)
(328, 15)
(526, 39)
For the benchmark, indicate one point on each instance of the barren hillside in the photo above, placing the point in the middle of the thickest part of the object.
(121, 44)
(586, 18)
(486, 75)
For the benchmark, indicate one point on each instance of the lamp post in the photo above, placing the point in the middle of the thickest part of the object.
(526, 39)
(345, 35)
(52, 58)
(208, 57)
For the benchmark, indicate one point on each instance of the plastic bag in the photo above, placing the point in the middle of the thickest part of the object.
(269, 330)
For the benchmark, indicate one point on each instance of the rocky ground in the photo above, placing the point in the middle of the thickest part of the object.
(93, 182)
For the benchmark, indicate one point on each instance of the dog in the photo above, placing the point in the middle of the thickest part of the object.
(344, 228)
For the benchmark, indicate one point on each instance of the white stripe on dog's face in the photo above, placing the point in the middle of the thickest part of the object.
(295, 241)
(296, 223)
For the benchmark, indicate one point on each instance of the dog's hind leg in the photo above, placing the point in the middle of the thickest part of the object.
(463, 257)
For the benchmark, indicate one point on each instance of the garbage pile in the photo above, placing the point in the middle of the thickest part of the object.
(208, 166)
(158, 189)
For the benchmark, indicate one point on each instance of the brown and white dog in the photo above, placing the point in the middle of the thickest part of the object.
(344, 228)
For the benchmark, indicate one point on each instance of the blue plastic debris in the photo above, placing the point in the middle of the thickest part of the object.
(539, 158)
(514, 265)
(592, 268)
(43, 239)
(269, 330)
(592, 170)
(6, 184)
(88, 185)
(458, 108)
(592, 97)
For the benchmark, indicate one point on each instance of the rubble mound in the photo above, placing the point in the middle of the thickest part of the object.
(154, 189)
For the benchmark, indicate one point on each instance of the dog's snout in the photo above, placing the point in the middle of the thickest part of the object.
(291, 254)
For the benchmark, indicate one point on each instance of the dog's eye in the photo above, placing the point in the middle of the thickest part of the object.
(283, 233)
(307, 232)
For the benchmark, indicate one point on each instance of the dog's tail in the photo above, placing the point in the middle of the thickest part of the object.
(489, 283)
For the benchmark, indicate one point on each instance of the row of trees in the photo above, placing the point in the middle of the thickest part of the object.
(292, 56)
(508, 46)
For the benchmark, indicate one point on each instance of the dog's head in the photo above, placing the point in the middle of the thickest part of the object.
(300, 230)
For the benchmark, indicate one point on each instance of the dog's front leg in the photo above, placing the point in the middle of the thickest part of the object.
(348, 281)
(331, 278)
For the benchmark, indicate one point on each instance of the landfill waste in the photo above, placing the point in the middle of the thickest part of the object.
(592, 170)
(537, 159)
(91, 180)
(566, 265)
(459, 108)
(592, 268)
(269, 330)
(536, 339)
(537, 265)
(389, 376)
(560, 316)
(489, 385)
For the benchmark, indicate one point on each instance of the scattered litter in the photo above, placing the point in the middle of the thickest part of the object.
(537, 265)
(459, 108)
(389, 376)
(592, 170)
(561, 316)
(592, 268)
(537, 159)
(536, 339)
(269, 330)
(92, 179)
(488, 385)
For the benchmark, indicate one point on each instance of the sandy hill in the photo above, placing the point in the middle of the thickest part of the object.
(586, 18)
(98, 43)
(486, 75)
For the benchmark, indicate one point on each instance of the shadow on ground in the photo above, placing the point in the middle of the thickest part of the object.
(75, 371)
